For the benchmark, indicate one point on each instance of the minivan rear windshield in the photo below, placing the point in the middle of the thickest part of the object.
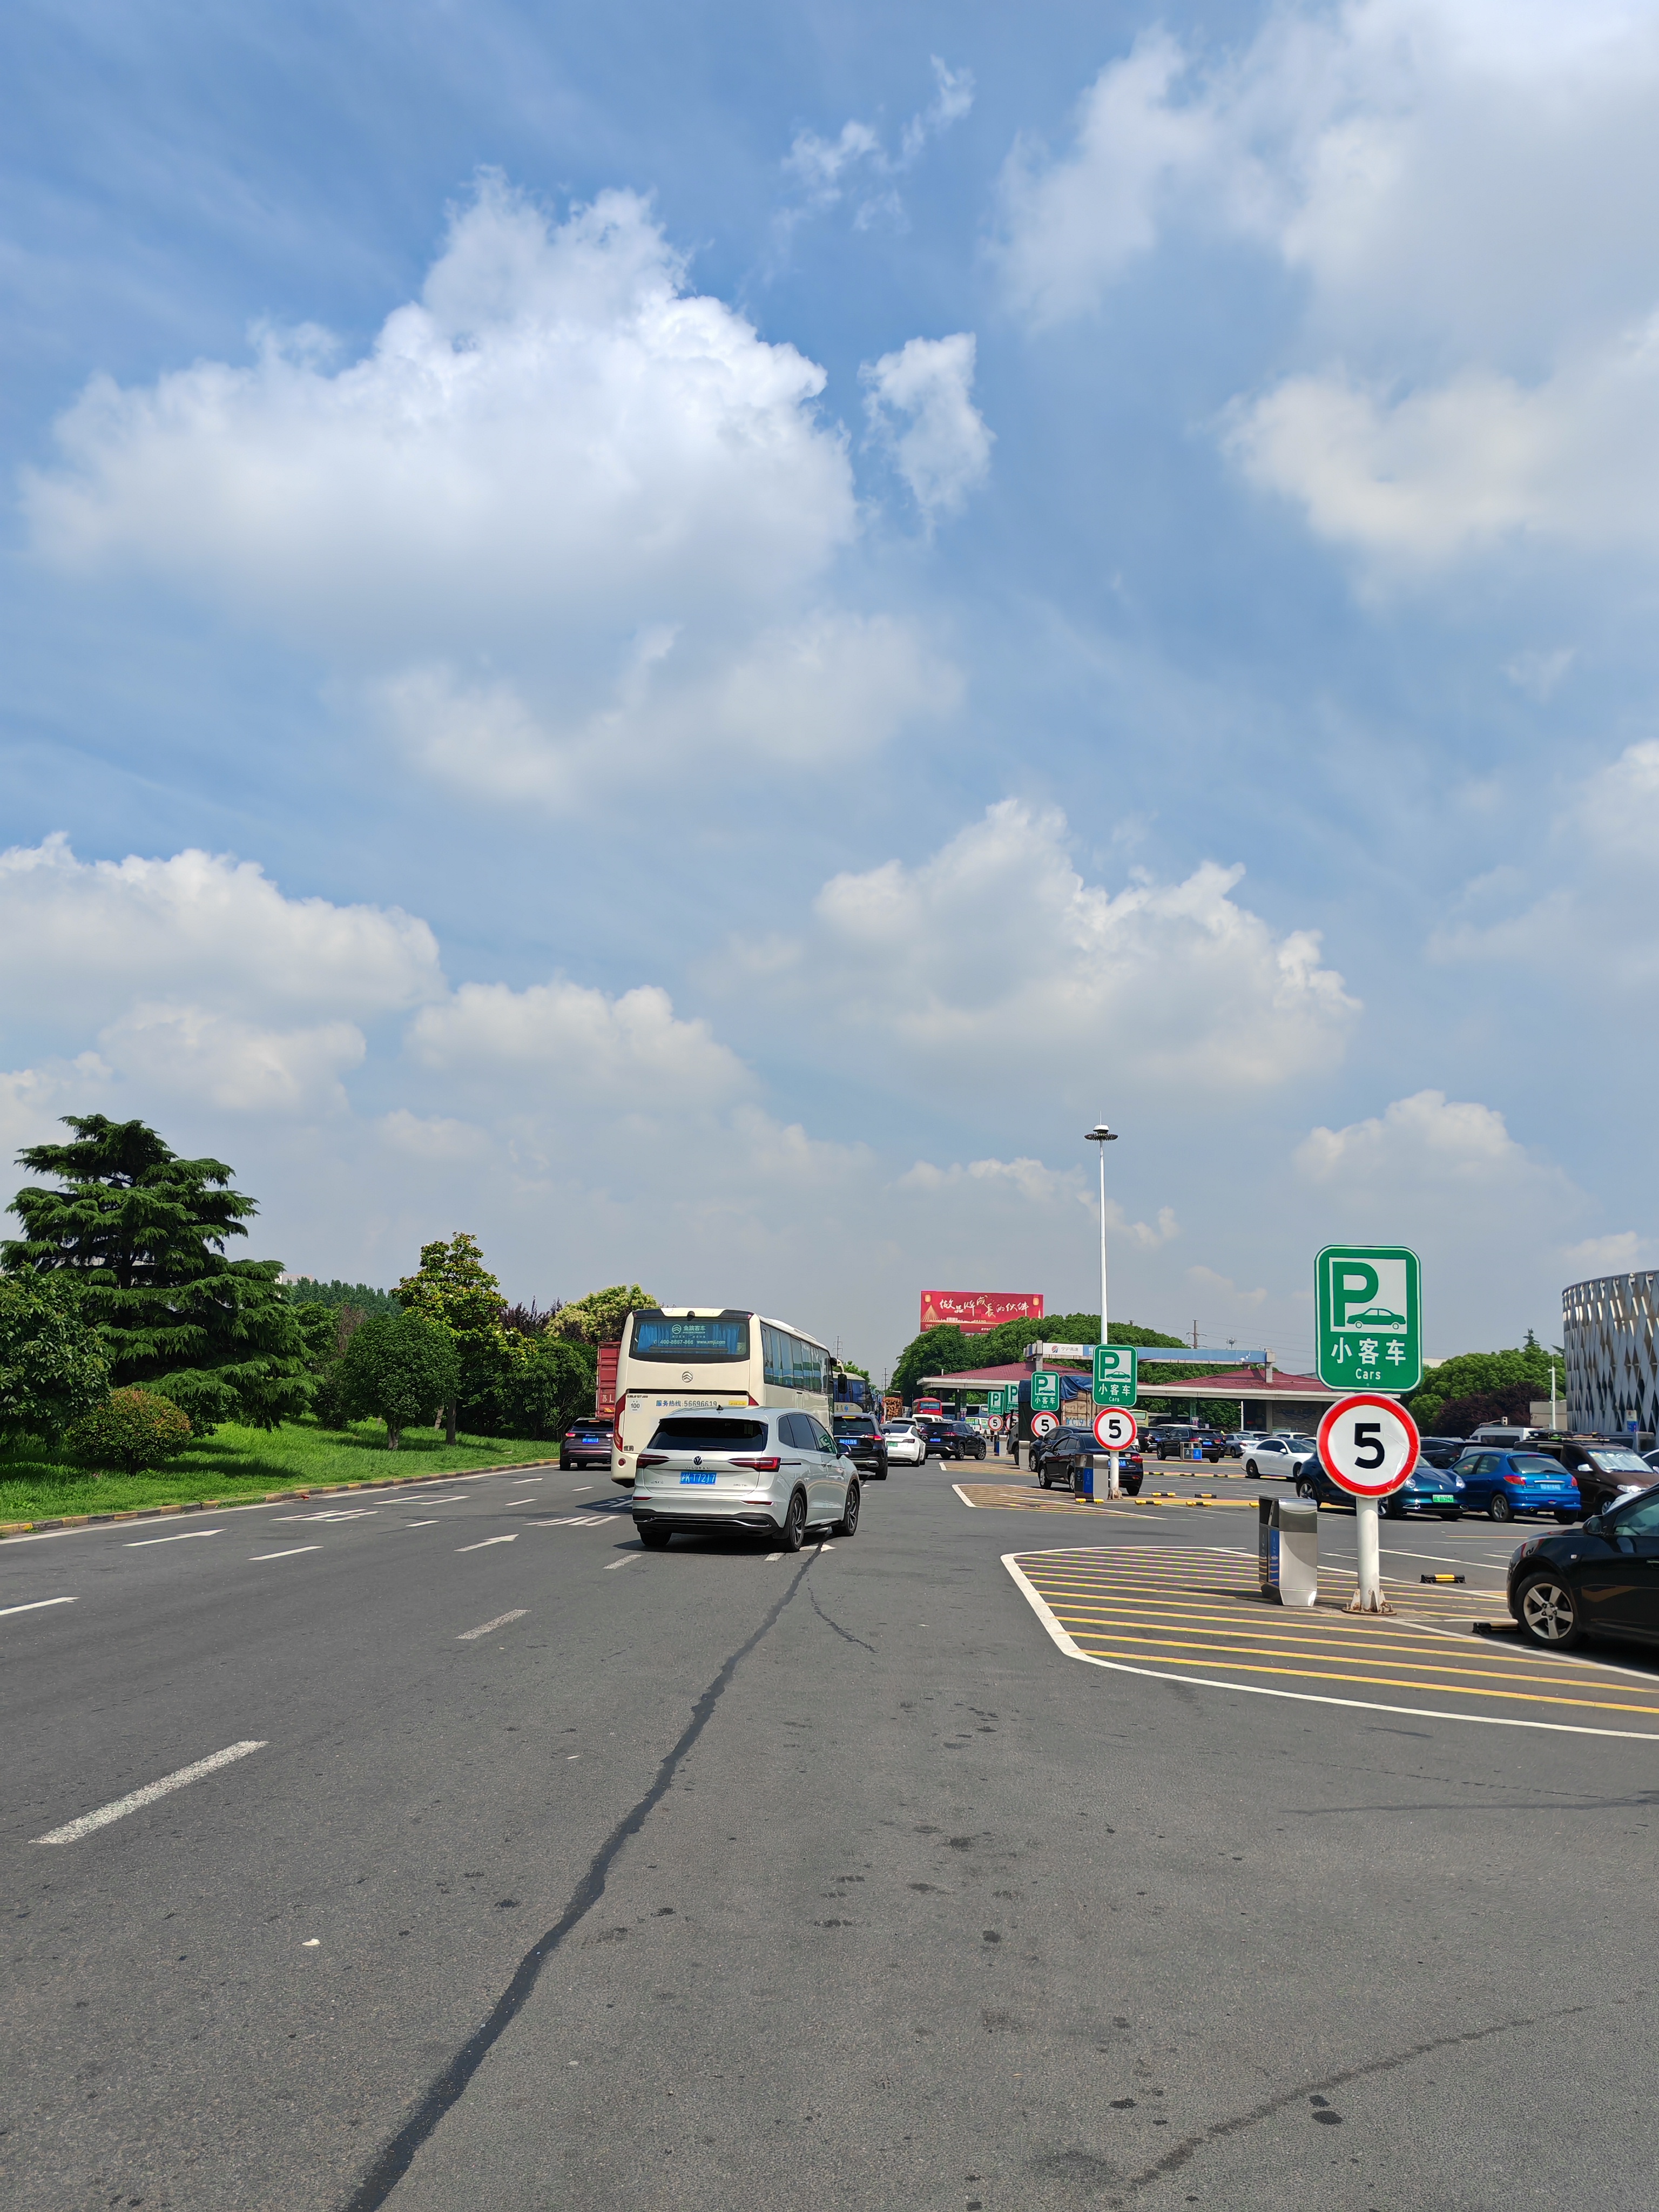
(690, 1431)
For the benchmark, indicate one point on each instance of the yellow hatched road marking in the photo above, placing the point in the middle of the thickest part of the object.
(1389, 1654)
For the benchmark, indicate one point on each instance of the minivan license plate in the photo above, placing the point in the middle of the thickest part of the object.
(696, 1478)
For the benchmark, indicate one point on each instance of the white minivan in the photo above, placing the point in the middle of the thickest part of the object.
(776, 1473)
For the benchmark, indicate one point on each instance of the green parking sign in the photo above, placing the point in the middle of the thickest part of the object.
(1368, 1303)
(1117, 1375)
(996, 1398)
(1045, 1393)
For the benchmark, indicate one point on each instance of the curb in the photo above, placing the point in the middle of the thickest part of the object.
(269, 1497)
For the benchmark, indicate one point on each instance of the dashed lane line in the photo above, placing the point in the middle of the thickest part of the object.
(471, 1635)
(72, 1830)
(36, 1605)
(255, 1558)
(139, 1543)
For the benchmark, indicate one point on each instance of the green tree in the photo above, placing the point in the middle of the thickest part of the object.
(308, 1290)
(139, 1235)
(548, 1382)
(1485, 1386)
(399, 1371)
(598, 1317)
(454, 1287)
(51, 1365)
(947, 1350)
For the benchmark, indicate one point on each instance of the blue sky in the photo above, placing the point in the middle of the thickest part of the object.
(690, 639)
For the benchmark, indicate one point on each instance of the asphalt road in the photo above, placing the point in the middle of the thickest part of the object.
(715, 1880)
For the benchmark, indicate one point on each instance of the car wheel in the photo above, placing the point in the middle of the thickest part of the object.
(794, 1523)
(1548, 1614)
(1306, 1487)
(564, 1464)
(1252, 1469)
(848, 1523)
(1392, 1510)
(1498, 1507)
(654, 1540)
(1042, 1477)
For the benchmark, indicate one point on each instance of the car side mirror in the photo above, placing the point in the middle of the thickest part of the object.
(1597, 1525)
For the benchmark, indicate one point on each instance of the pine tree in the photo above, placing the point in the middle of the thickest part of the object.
(139, 1235)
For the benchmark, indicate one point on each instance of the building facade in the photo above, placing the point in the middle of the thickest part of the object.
(1610, 1326)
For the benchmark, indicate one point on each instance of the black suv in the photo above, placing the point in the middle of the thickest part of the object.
(1056, 1458)
(951, 1439)
(1177, 1439)
(858, 1438)
(587, 1442)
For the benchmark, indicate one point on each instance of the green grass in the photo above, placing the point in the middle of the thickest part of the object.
(244, 1463)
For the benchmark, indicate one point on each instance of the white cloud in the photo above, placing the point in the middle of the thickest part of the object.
(213, 932)
(563, 501)
(629, 1052)
(998, 933)
(825, 169)
(1538, 672)
(1609, 1256)
(432, 1137)
(918, 403)
(1461, 189)
(1424, 1136)
(177, 1052)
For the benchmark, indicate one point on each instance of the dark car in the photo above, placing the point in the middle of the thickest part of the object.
(587, 1443)
(1504, 1484)
(1441, 1451)
(951, 1439)
(1601, 1579)
(1427, 1489)
(1604, 1472)
(1063, 1452)
(1175, 1439)
(858, 1438)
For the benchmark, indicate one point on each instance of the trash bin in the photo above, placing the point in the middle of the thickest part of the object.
(1082, 1481)
(1287, 1560)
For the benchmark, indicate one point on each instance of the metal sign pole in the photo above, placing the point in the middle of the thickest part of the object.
(1368, 1597)
(1112, 1490)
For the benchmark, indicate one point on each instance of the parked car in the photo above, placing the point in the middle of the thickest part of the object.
(1427, 1489)
(1503, 1484)
(1313, 1480)
(1280, 1455)
(1067, 1448)
(1441, 1451)
(587, 1443)
(953, 1439)
(1604, 1473)
(905, 1443)
(1563, 1589)
(1501, 1436)
(1175, 1439)
(777, 1474)
(859, 1438)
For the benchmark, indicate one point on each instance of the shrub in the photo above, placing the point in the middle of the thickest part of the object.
(132, 1430)
(51, 1370)
(399, 1371)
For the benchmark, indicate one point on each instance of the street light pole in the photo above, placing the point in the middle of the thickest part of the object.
(1100, 1135)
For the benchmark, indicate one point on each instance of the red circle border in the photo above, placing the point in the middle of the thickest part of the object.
(1347, 1406)
(1134, 1429)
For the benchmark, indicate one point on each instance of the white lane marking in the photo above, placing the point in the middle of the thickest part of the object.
(254, 1558)
(528, 1483)
(357, 1513)
(72, 1830)
(1057, 1635)
(486, 1544)
(964, 1496)
(312, 1943)
(500, 1621)
(35, 1604)
(420, 1524)
(137, 1543)
(773, 1555)
(627, 1562)
(572, 1521)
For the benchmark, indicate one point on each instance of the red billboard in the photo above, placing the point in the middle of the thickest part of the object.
(975, 1311)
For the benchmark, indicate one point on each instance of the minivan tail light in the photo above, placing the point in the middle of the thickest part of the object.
(652, 1459)
(761, 1465)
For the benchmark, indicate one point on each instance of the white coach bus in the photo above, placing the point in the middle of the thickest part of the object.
(680, 1357)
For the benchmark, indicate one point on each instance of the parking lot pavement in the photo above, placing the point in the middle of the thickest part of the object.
(424, 1869)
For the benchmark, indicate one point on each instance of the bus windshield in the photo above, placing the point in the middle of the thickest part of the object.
(699, 1340)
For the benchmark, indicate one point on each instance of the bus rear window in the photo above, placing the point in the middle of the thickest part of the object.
(690, 1340)
(706, 1432)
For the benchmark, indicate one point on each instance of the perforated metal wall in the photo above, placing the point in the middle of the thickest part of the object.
(1610, 1328)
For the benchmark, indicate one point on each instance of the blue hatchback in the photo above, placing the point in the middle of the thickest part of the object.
(1502, 1485)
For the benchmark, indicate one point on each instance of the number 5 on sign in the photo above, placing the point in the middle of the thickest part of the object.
(1369, 1444)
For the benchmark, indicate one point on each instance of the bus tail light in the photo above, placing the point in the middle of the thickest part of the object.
(761, 1465)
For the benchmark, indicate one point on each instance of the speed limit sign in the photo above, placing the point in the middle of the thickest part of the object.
(1114, 1430)
(1044, 1424)
(1369, 1443)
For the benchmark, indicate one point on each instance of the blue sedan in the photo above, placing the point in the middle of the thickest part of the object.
(1504, 1484)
